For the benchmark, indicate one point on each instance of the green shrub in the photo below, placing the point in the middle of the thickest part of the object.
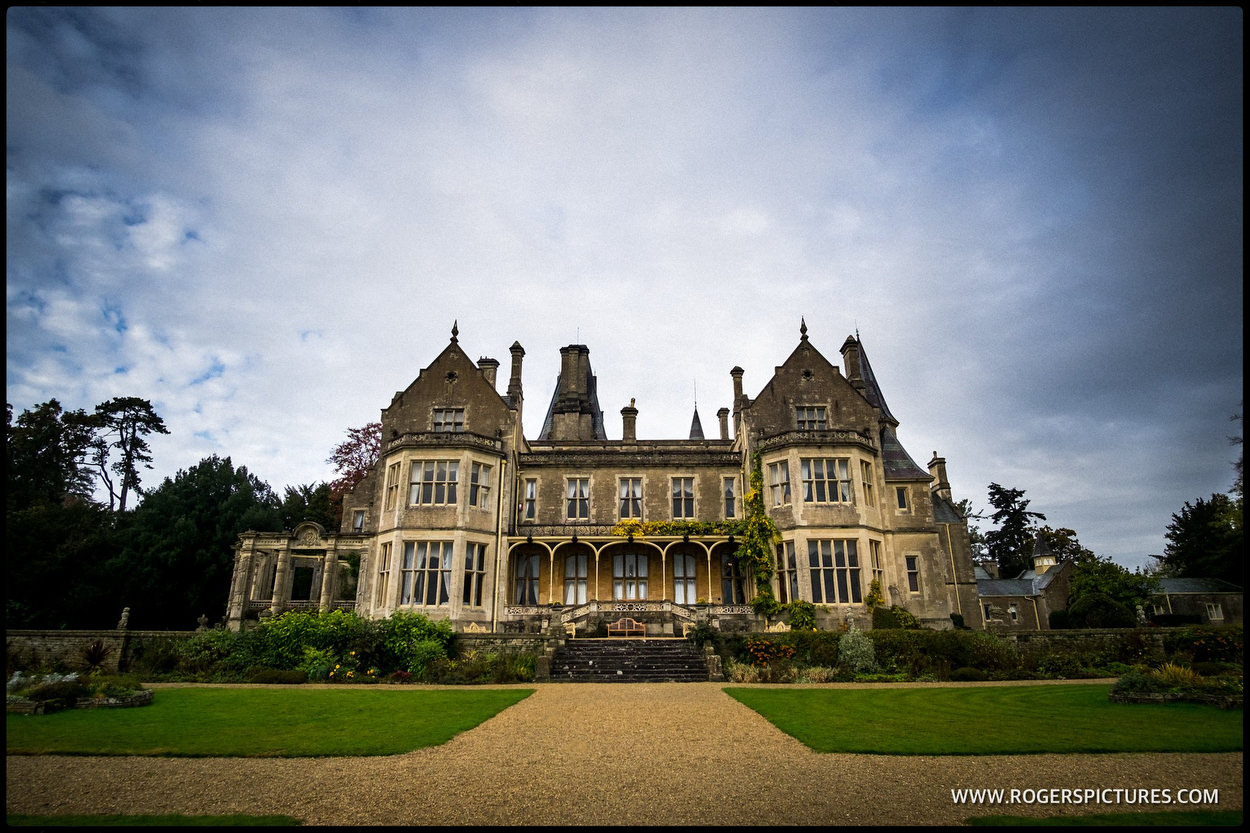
(155, 657)
(57, 694)
(856, 653)
(1098, 610)
(274, 676)
(1207, 643)
(317, 663)
(966, 675)
(802, 615)
(762, 651)
(1059, 620)
(814, 648)
(410, 641)
(885, 618)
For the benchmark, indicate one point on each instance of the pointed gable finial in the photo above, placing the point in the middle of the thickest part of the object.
(455, 331)
(803, 328)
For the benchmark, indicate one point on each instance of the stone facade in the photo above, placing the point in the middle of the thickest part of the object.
(464, 518)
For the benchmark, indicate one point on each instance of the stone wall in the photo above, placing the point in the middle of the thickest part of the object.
(29, 649)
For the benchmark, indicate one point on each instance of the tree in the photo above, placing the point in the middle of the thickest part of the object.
(1205, 540)
(1063, 544)
(45, 455)
(976, 538)
(354, 457)
(56, 567)
(311, 503)
(1104, 594)
(179, 550)
(1011, 544)
(122, 424)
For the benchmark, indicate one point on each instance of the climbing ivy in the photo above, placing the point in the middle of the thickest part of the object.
(755, 552)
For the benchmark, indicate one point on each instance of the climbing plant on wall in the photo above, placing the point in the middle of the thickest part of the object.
(755, 552)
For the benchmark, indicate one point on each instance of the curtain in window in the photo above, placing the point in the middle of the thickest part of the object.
(575, 571)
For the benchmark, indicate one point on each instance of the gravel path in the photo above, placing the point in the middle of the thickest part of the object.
(603, 754)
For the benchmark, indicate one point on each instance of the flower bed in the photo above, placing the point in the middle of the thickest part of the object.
(24, 705)
(1224, 701)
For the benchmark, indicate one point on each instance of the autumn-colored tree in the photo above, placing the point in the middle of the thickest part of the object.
(354, 457)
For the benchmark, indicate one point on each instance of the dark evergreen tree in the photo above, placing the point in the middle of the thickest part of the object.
(1205, 540)
(179, 550)
(57, 571)
(120, 445)
(1011, 544)
(45, 456)
(311, 503)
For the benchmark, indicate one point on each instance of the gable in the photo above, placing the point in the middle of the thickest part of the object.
(808, 379)
(451, 381)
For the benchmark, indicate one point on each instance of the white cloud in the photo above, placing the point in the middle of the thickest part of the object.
(296, 204)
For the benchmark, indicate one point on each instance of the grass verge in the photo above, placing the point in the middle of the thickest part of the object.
(263, 723)
(1008, 720)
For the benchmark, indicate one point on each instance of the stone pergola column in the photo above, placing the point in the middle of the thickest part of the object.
(280, 593)
(329, 576)
(240, 586)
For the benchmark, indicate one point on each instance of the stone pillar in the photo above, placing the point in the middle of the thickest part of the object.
(280, 592)
(329, 576)
(241, 585)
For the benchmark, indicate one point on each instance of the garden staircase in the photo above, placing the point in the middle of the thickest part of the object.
(618, 660)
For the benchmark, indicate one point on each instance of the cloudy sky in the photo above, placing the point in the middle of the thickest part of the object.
(266, 221)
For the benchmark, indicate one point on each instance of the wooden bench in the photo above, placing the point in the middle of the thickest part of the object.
(626, 627)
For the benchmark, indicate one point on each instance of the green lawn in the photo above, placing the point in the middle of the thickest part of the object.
(990, 720)
(263, 722)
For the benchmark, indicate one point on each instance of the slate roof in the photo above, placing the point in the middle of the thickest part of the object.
(1197, 585)
(872, 391)
(944, 512)
(592, 397)
(1028, 584)
(895, 461)
(696, 427)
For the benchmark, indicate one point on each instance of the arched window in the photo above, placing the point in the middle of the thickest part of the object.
(629, 576)
(527, 580)
(575, 567)
(684, 589)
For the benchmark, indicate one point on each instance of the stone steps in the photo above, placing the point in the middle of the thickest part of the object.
(629, 660)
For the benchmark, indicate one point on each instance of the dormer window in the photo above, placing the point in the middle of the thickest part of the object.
(811, 418)
(448, 420)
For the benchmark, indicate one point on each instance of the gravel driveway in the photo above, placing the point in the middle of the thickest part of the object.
(604, 754)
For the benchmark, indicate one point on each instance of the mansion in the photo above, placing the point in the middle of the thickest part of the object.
(464, 518)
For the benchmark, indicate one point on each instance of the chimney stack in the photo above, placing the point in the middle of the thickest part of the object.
(937, 470)
(489, 368)
(514, 384)
(723, 413)
(629, 415)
